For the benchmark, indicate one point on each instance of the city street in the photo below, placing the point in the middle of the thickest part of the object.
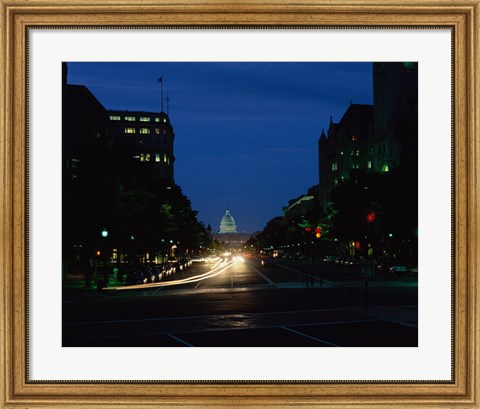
(230, 302)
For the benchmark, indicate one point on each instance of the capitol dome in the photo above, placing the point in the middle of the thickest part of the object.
(227, 224)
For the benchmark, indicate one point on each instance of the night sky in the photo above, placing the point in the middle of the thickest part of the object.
(245, 133)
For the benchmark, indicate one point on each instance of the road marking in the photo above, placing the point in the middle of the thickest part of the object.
(309, 336)
(230, 315)
(307, 275)
(180, 340)
(198, 285)
(404, 324)
(264, 277)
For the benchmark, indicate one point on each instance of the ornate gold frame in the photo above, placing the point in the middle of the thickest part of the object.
(17, 16)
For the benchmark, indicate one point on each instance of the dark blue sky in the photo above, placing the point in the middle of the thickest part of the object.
(245, 133)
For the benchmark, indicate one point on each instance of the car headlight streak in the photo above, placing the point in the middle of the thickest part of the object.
(219, 267)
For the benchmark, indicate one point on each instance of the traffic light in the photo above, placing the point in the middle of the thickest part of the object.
(318, 232)
(371, 216)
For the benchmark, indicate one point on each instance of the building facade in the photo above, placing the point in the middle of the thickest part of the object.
(228, 236)
(86, 121)
(151, 136)
(372, 138)
(227, 225)
(83, 126)
(346, 146)
(89, 132)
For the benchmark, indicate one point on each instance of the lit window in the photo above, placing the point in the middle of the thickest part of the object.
(157, 119)
(385, 168)
(142, 157)
(157, 131)
(358, 153)
(144, 119)
(334, 166)
(129, 130)
(352, 153)
(165, 157)
(130, 118)
(145, 130)
(369, 164)
(341, 153)
(147, 157)
(157, 157)
(354, 138)
(165, 120)
(114, 118)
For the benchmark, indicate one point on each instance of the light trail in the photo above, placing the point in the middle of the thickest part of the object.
(217, 269)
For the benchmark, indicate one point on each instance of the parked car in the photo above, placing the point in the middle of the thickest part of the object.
(399, 269)
(330, 259)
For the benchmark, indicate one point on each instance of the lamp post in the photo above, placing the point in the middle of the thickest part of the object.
(105, 257)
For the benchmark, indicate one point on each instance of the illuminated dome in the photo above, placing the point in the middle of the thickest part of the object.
(227, 224)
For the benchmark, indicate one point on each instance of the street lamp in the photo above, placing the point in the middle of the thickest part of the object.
(101, 261)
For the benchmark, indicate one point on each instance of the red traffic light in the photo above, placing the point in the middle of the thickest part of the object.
(371, 216)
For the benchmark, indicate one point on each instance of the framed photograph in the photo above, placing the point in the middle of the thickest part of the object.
(228, 204)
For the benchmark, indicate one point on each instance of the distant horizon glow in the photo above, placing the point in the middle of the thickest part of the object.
(245, 133)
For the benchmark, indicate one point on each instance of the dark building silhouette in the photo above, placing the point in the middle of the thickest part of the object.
(151, 136)
(349, 145)
(395, 92)
(83, 124)
(373, 138)
(86, 121)
(89, 131)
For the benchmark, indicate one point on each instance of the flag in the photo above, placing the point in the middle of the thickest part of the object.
(160, 79)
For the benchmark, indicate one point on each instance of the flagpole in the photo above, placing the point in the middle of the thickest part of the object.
(160, 80)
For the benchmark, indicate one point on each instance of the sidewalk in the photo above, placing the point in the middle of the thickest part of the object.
(74, 287)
